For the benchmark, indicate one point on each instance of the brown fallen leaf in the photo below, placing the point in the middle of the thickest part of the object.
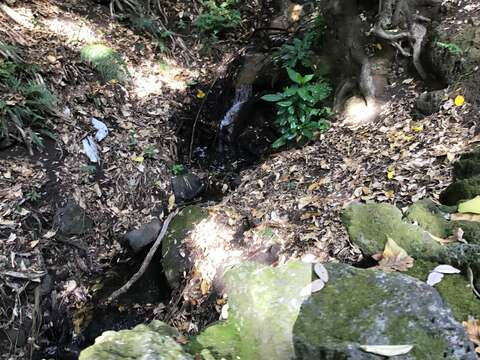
(393, 258)
(472, 327)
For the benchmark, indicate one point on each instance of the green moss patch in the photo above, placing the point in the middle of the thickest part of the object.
(106, 61)
(370, 225)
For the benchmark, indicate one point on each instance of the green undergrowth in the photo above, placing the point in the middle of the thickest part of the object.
(26, 105)
(301, 113)
(218, 17)
(106, 61)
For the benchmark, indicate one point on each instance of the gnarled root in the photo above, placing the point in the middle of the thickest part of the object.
(398, 14)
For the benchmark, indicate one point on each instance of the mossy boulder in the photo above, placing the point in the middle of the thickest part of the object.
(455, 289)
(270, 319)
(373, 307)
(263, 306)
(152, 341)
(370, 225)
(435, 219)
(467, 166)
(461, 190)
(106, 61)
(175, 258)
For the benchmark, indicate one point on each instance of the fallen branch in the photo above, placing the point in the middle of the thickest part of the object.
(146, 261)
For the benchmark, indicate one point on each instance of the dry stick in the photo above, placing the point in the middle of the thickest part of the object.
(146, 261)
(197, 117)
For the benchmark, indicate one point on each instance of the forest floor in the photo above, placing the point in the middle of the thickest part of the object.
(299, 193)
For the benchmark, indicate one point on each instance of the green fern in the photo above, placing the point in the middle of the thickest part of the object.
(106, 61)
(26, 105)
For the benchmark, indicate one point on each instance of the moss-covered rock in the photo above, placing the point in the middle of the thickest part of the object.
(430, 217)
(152, 341)
(454, 288)
(467, 166)
(263, 305)
(461, 190)
(372, 307)
(270, 319)
(370, 225)
(434, 219)
(174, 259)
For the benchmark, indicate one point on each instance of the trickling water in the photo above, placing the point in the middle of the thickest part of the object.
(242, 94)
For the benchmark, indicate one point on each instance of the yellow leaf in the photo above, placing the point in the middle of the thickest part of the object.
(204, 287)
(471, 206)
(393, 258)
(379, 46)
(417, 128)
(392, 249)
(171, 202)
(200, 94)
(390, 173)
(138, 159)
(459, 100)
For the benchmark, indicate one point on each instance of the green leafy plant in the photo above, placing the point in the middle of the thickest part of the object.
(88, 169)
(218, 16)
(150, 152)
(178, 169)
(297, 51)
(451, 48)
(299, 114)
(106, 61)
(33, 196)
(26, 103)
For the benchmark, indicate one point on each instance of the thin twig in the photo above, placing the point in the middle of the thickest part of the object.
(198, 117)
(146, 261)
(472, 285)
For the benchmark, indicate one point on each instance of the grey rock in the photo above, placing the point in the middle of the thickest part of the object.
(269, 318)
(175, 259)
(152, 341)
(377, 308)
(186, 187)
(72, 219)
(139, 238)
(429, 102)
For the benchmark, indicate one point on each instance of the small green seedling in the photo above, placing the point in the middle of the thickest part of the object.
(33, 196)
(178, 169)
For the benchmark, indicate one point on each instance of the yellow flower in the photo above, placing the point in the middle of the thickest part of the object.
(138, 159)
(459, 100)
(200, 94)
(390, 173)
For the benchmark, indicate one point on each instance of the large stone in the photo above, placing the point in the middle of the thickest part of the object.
(186, 187)
(467, 166)
(370, 225)
(72, 219)
(139, 238)
(465, 189)
(434, 219)
(270, 319)
(175, 258)
(455, 289)
(429, 102)
(143, 342)
(376, 308)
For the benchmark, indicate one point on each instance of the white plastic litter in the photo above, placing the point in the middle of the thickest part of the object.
(434, 278)
(446, 269)
(90, 149)
(102, 130)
